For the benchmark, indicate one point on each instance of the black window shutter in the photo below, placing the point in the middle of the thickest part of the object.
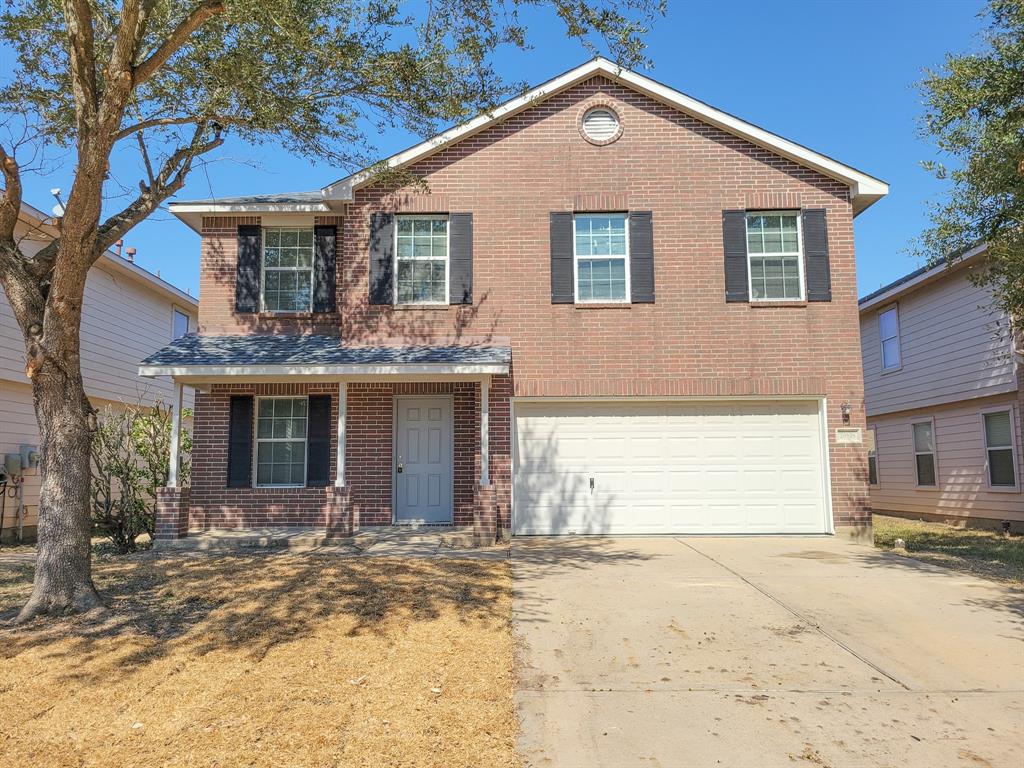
(460, 258)
(641, 257)
(562, 289)
(240, 442)
(325, 239)
(818, 274)
(247, 268)
(318, 449)
(734, 239)
(382, 248)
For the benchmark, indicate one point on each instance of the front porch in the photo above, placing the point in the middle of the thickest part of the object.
(367, 438)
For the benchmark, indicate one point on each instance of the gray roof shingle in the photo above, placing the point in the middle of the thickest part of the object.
(315, 196)
(193, 350)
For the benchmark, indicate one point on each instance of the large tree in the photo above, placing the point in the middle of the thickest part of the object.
(974, 110)
(171, 79)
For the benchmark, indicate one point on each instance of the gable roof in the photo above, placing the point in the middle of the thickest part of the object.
(921, 277)
(865, 189)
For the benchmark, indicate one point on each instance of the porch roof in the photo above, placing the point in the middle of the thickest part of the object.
(317, 355)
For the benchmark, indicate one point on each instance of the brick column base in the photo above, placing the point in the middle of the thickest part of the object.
(171, 513)
(485, 516)
(338, 511)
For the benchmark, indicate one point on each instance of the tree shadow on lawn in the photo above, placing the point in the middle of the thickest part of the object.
(164, 604)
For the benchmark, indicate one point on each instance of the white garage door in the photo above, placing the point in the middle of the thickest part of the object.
(680, 467)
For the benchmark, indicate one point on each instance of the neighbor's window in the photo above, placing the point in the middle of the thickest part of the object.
(287, 269)
(1002, 469)
(889, 333)
(281, 441)
(872, 456)
(924, 452)
(179, 325)
(421, 255)
(776, 264)
(602, 256)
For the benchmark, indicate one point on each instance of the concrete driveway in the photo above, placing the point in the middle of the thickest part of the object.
(762, 652)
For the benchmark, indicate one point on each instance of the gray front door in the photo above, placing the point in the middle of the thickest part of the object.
(423, 460)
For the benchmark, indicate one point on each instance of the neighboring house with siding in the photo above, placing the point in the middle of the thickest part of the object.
(613, 309)
(128, 312)
(944, 391)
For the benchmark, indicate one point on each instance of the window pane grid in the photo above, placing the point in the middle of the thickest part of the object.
(422, 259)
(601, 254)
(281, 441)
(773, 251)
(287, 269)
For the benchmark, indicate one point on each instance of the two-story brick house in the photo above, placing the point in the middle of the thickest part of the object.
(944, 388)
(611, 309)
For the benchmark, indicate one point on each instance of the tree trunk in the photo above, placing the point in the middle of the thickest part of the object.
(63, 581)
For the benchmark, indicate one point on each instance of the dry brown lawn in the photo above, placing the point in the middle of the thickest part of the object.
(265, 660)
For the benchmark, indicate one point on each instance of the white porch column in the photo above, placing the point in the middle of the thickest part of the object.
(485, 431)
(172, 474)
(339, 480)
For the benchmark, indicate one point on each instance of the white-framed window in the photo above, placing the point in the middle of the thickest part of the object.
(287, 277)
(179, 323)
(281, 428)
(775, 256)
(872, 439)
(601, 258)
(925, 463)
(1000, 448)
(421, 259)
(889, 338)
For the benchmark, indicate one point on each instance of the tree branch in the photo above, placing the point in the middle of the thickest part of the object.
(158, 122)
(169, 180)
(177, 38)
(82, 59)
(10, 203)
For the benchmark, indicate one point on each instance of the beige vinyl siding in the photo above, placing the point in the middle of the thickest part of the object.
(962, 489)
(953, 346)
(123, 321)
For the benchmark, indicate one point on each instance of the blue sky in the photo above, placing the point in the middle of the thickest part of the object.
(836, 76)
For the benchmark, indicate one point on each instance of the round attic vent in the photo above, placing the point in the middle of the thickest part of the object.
(601, 125)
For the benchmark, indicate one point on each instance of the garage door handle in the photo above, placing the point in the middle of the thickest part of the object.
(591, 483)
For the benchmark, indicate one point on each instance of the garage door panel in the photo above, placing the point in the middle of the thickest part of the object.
(727, 467)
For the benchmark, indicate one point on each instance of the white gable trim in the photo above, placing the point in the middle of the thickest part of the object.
(864, 189)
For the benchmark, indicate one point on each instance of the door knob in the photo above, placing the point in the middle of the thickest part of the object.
(400, 467)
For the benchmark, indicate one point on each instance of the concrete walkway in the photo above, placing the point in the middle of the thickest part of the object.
(762, 652)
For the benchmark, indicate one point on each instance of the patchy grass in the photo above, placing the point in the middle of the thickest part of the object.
(984, 553)
(265, 660)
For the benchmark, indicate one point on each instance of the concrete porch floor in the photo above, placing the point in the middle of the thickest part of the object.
(398, 541)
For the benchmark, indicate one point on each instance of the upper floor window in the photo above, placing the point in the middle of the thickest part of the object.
(421, 256)
(179, 324)
(889, 333)
(1000, 458)
(776, 261)
(601, 256)
(924, 452)
(281, 441)
(287, 269)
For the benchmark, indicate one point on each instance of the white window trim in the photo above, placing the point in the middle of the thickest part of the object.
(799, 254)
(447, 260)
(1014, 448)
(628, 299)
(873, 429)
(934, 454)
(899, 339)
(263, 273)
(175, 309)
(256, 440)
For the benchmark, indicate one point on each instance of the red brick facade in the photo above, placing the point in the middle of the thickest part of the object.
(690, 342)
